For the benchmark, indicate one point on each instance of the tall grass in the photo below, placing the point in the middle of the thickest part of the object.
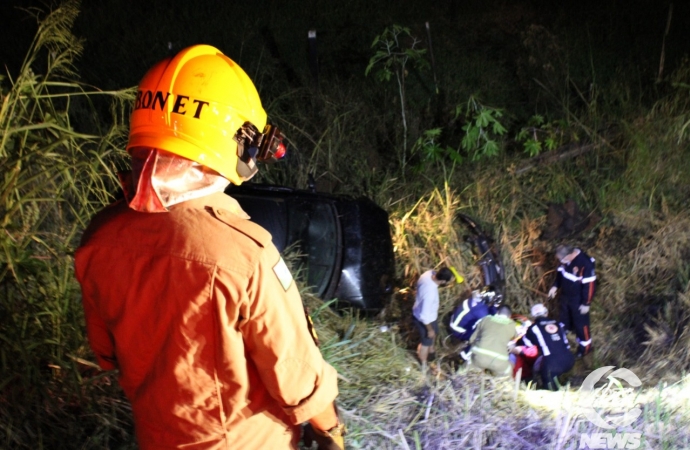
(54, 177)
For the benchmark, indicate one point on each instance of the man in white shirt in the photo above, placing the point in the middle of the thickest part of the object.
(425, 309)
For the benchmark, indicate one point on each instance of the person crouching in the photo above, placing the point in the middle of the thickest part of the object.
(490, 342)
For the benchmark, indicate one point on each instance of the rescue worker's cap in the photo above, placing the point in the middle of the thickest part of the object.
(539, 310)
(193, 105)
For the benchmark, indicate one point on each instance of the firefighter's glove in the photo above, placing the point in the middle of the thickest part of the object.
(584, 309)
(333, 439)
(552, 292)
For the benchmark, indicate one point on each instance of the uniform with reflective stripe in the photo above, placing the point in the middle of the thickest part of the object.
(490, 343)
(465, 317)
(577, 283)
(577, 279)
(553, 346)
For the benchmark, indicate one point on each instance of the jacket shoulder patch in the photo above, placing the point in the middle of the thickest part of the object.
(551, 328)
(283, 273)
(244, 226)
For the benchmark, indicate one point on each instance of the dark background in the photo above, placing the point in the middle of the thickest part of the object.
(123, 38)
(596, 60)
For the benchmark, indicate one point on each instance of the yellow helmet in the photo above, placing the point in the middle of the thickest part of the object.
(200, 105)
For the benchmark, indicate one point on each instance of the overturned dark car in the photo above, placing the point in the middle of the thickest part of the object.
(345, 242)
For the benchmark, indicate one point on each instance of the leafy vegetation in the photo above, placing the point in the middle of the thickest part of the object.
(424, 147)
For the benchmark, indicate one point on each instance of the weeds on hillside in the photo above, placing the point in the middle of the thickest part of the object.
(387, 401)
(54, 178)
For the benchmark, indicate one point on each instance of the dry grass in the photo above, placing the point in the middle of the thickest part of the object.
(389, 403)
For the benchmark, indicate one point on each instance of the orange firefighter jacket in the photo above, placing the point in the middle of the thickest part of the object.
(199, 313)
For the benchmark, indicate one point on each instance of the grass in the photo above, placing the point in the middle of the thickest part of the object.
(58, 163)
(53, 179)
(389, 403)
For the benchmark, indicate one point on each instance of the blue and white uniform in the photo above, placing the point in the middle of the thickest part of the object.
(554, 351)
(577, 283)
(466, 316)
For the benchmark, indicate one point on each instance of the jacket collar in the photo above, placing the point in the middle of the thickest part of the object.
(215, 200)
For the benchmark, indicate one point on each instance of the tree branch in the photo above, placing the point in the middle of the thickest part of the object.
(554, 156)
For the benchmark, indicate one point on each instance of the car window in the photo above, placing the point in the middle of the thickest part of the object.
(313, 226)
(270, 213)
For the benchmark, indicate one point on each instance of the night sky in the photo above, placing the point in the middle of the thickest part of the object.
(123, 38)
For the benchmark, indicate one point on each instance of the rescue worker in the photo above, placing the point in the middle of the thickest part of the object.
(186, 297)
(425, 310)
(465, 317)
(549, 337)
(576, 281)
(490, 342)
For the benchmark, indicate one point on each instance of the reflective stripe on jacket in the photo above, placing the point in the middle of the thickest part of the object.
(577, 279)
(466, 316)
(550, 338)
(490, 343)
(195, 309)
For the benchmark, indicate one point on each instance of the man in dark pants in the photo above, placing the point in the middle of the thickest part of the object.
(555, 357)
(576, 280)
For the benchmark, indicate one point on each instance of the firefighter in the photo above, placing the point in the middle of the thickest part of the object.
(465, 316)
(576, 281)
(549, 337)
(490, 342)
(188, 299)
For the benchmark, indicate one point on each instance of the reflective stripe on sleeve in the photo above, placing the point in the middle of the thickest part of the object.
(484, 351)
(568, 275)
(542, 343)
(588, 280)
(455, 325)
(458, 329)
